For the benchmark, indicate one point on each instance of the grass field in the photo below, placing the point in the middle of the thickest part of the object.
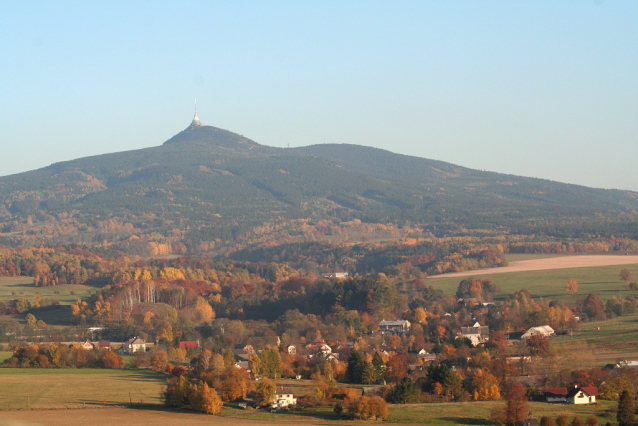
(617, 336)
(16, 287)
(53, 388)
(50, 388)
(552, 283)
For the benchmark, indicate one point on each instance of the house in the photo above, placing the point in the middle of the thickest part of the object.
(104, 344)
(88, 345)
(394, 327)
(628, 364)
(582, 395)
(318, 342)
(542, 331)
(477, 333)
(284, 398)
(574, 395)
(189, 344)
(556, 395)
(335, 275)
(134, 345)
(291, 350)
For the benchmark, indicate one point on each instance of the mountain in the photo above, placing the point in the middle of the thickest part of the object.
(211, 190)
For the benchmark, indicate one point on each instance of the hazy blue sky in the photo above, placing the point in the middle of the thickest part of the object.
(544, 89)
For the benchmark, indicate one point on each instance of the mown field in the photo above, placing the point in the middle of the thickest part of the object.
(616, 338)
(552, 283)
(59, 388)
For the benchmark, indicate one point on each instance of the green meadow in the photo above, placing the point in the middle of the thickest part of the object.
(552, 283)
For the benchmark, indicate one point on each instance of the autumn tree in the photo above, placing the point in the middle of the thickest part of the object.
(516, 408)
(366, 407)
(203, 398)
(265, 391)
(577, 421)
(485, 387)
(538, 345)
(625, 275)
(497, 341)
(270, 362)
(112, 360)
(572, 286)
(547, 421)
(159, 360)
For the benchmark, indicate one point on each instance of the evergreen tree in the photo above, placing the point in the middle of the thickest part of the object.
(625, 415)
(356, 367)
(402, 391)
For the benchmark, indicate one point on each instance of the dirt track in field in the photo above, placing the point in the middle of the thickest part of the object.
(549, 263)
(145, 417)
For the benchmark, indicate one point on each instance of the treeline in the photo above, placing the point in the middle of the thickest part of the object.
(62, 356)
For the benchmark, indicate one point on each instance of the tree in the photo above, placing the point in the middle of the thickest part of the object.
(270, 362)
(338, 409)
(356, 367)
(31, 321)
(562, 420)
(592, 421)
(547, 421)
(498, 341)
(538, 345)
(572, 286)
(402, 391)
(205, 399)
(594, 308)
(366, 407)
(578, 421)
(516, 409)
(266, 391)
(625, 275)
(625, 415)
(485, 386)
(113, 360)
(159, 360)
(176, 393)
(397, 368)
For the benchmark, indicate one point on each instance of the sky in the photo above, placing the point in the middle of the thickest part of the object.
(545, 89)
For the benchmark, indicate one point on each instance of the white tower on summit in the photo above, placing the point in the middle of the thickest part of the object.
(196, 121)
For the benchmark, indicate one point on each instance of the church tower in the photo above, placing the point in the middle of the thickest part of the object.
(196, 122)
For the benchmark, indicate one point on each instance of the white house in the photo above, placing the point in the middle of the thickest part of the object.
(542, 331)
(477, 333)
(284, 398)
(582, 395)
(134, 345)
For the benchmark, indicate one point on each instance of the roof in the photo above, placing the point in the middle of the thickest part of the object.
(589, 390)
(189, 344)
(555, 392)
(136, 341)
(391, 323)
(104, 343)
(283, 390)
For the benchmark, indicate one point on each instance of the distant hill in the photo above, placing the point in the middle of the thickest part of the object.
(211, 190)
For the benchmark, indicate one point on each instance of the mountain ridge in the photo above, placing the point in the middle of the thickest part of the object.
(207, 184)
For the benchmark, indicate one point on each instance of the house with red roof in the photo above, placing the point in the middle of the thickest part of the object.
(190, 344)
(574, 395)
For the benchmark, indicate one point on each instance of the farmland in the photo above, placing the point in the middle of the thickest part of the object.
(551, 283)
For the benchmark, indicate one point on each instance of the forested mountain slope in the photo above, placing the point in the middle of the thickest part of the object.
(211, 190)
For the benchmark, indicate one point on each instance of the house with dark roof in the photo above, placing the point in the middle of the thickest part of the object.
(394, 327)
